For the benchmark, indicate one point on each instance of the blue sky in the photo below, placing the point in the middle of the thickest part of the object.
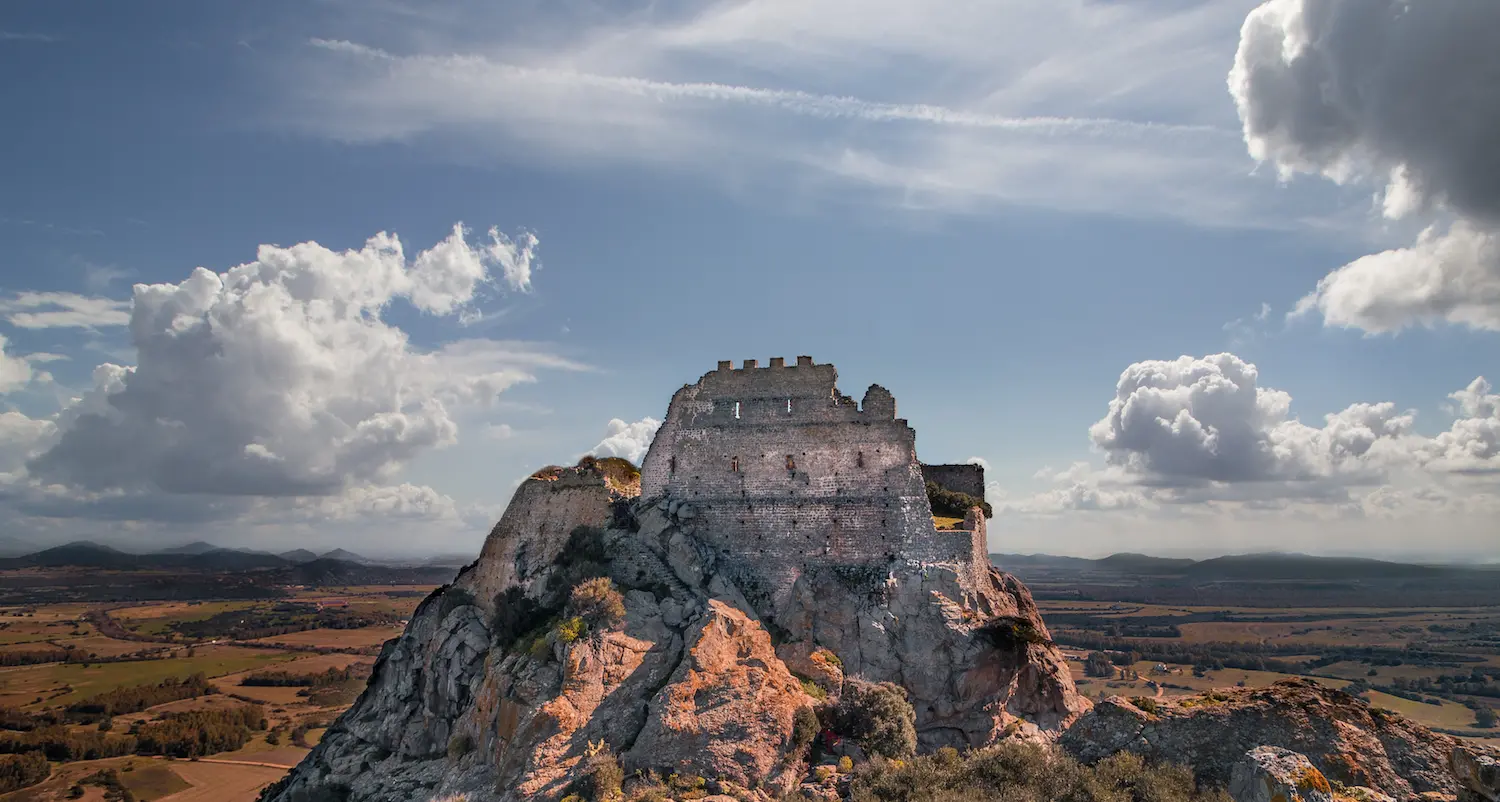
(998, 212)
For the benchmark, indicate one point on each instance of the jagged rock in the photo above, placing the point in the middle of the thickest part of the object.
(815, 663)
(1346, 739)
(1478, 775)
(1273, 774)
(727, 711)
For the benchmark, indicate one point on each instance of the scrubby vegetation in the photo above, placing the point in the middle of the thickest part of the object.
(186, 734)
(62, 744)
(280, 619)
(1010, 633)
(601, 778)
(140, 697)
(200, 732)
(1018, 772)
(109, 780)
(878, 717)
(597, 602)
(21, 771)
(618, 471)
(287, 679)
(952, 504)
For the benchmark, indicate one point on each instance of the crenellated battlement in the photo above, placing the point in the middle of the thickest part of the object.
(775, 363)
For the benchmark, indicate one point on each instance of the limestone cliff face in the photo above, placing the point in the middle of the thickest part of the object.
(489, 693)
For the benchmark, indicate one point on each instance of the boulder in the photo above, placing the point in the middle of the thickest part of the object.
(1348, 741)
(727, 710)
(1273, 774)
(1478, 775)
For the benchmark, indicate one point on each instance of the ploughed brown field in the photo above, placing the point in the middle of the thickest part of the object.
(123, 645)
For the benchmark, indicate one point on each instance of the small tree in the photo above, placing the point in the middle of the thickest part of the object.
(878, 717)
(597, 602)
(1485, 717)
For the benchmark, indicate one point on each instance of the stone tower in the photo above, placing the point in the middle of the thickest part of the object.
(783, 473)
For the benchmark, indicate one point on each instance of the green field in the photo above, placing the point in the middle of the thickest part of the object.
(151, 782)
(82, 682)
(161, 625)
(1450, 715)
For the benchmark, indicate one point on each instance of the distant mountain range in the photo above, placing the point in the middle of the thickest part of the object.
(1270, 566)
(196, 556)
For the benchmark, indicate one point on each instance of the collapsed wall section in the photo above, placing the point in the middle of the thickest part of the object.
(535, 527)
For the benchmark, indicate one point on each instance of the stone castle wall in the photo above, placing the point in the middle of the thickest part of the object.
(786, 473)
(536, 526)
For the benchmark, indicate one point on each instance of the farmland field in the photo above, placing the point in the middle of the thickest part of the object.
(118, 633)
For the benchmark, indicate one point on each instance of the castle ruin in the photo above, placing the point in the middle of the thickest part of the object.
(783, 473)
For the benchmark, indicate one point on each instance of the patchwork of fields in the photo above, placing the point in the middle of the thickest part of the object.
(121, 645)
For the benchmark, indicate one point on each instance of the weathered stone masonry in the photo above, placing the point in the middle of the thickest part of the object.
(783, 472)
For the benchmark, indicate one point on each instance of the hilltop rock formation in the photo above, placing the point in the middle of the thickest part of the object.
(777, 540)
(1348, 741)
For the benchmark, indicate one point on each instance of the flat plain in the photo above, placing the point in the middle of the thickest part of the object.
(126, 645)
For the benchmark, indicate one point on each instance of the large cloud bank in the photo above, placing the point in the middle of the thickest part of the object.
(277, 393)
(1203, 429)
(1404, 94)
(279, 377)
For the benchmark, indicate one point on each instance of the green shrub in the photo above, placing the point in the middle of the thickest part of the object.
(814, 690)
(804, 728)
(1010, 633)
(878, 717)
(1024, 772)
(597, 602)
(459, 745)
(601, 778)
(20, 771)
(515, 615)
(1145, 703)
(846, 764)
(952, 504)
(571, 629)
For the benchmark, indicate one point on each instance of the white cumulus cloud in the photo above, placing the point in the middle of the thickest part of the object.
(1395, 93)
(15, 371)
(1195, 420)
(628, 440)
(279, 377)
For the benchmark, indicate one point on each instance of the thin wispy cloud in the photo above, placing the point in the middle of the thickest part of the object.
(25, 36)
(789, 100)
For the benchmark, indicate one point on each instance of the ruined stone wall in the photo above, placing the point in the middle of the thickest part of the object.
(785, 473)
(535, 527)
(967, 479)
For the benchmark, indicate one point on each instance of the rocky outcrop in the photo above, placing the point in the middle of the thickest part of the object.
(1273, 774)
(499, 690)
(1348, 741)
(727, 710)
(1478, 775)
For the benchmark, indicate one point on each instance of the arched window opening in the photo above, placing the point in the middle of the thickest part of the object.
(791, 464)
(736, 410)
(789, 405)
(734, 464)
